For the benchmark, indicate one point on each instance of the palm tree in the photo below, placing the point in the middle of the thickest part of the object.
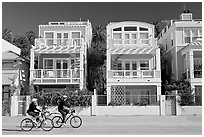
(7, 35)
(99, 38)
(96, 57)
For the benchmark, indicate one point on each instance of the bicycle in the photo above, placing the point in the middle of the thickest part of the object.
(27, 124)
(75, 121)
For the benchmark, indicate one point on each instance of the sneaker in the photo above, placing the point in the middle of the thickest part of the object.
(64, 124)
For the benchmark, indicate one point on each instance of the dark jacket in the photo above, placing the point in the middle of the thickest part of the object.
(32, 107)
(61, 104)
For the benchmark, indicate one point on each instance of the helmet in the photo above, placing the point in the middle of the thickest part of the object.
(64, 96)
(34, 99)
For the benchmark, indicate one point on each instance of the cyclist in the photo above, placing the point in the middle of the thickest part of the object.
(62, 109)
(33, 110)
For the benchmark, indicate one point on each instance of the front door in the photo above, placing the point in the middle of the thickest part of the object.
(62, 68)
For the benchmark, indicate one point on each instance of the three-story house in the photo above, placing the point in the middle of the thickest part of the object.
(58, 58)
(133, 64)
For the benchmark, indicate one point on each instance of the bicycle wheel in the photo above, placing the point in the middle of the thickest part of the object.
(75, 121)
(47, 124)
(57, 121)
(27, 124)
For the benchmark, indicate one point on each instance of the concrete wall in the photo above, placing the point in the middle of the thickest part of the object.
(189, 110)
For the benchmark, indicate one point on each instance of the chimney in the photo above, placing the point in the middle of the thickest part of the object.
(186, 15)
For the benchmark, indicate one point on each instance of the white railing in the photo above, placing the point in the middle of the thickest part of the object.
(50, 42)
(133, 42)
(56, 73)
(134, 73)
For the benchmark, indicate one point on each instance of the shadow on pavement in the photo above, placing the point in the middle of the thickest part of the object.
(11, 129)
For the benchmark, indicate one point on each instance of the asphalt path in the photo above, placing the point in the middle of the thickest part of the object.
(116, 125)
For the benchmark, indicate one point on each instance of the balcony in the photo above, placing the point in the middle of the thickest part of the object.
(43, 76)
(50, 42)
(132, 42)
(134, 74)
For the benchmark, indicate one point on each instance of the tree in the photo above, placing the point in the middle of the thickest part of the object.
(96, 58)
(25, 43)
(7, 35)
(156, 28)
(184, 91)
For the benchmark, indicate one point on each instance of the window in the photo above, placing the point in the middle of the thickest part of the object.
(127, 65)
(117, 29)
(75, 34)
(127, 38)
(172, 39)
(117, 35)
(198, 95)
(130, 28)
(117, 38)
(49, 36)
(119, 65)
(75, 37)
(200, 33)
(143, 29)
(187, 37)
(48, 64)
(172, 66)
(194, 34)
(144, 38)
(143, 35)
(134, 65)
(144, 64)
(7, 64)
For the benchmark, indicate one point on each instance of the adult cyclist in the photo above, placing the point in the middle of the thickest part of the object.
(33, 109)
(62, 109)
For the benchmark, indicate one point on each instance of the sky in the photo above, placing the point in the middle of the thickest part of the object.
(21, 17)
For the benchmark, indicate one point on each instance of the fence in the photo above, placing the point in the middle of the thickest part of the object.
(128, 100)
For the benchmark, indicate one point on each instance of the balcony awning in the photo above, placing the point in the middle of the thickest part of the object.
(56, 49)
(135, 50)
(196, 45)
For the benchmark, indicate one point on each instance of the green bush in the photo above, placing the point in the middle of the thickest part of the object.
(74, 98)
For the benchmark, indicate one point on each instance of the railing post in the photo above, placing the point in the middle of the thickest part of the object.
(162, 104)
(14, 105)
(93, 103)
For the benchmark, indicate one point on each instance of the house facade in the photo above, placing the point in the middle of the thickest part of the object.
(191, 67)
(133, 64)
(58, 58)
(15, 75)
(183, 50)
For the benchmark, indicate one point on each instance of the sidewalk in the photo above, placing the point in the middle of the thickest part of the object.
(117, 125)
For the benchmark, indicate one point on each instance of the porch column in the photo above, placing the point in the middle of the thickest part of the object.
(191, 64)
(158, 92)
(32, 58)
(108, 94)
(158, 60)
(81, 69)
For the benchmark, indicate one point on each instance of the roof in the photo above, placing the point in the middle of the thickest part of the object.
(7, 78)
(7, 55)
(6, 46)
(197, 44)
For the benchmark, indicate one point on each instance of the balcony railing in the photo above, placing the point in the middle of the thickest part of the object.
(49, 42)
(55, 73)
(196, 74)
(133, 42)
(134, 74)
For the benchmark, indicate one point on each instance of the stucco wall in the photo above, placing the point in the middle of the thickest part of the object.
(127, 110)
